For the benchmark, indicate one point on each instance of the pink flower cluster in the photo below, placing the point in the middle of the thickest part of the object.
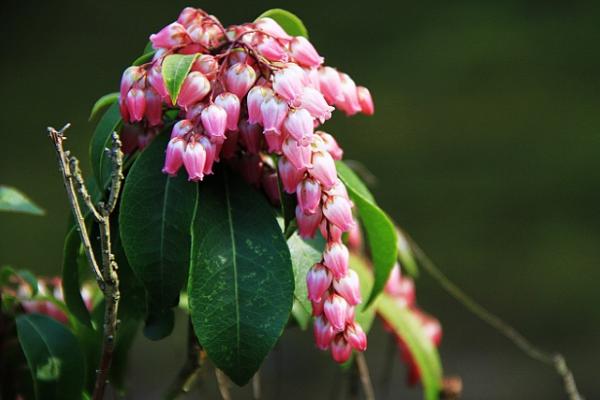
(402, 289)
(255, 97)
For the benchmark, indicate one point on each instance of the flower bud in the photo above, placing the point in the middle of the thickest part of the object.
(174, 156)
(307, 224)
(331, 145)
(231, 104)
(274, 142)
(214, 121)
(194, 159)
(256, 97)
(250, 136)
(170, 36)
(290, 175)
(349, 104)
(153, 111)
(318, 280)
(348, 286)
(313, 101)
(136, 104)
(270, 49)
(330, 85)
(239, 78)
(155, 79)
(323, 332)
(272, 28)
(194, 89)
(335, 309)
(323, 169)
(182, 128)
(338, 210)
(288, 82)
(299, 124)
(365, 100)
(330, 232)
(273, 112)
(336, 258)
(251, 168)
(270, 185)
(355, 336)
(130, 76)
(317, 307)
(308, 193)
(340, 350)
(355, 237)
(304, 52)
(298, 155)
(207, 65)
(230, 145)
(210, 150)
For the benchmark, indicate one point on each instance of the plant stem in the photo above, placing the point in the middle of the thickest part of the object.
(555, 360)
(365, 378)
(223, 383)
(256, 391)
(106, 271)
(188, 374)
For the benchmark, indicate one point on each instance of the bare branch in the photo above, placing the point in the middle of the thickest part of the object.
(256, 391)
(223, 383)
(80, 185)
(365, 378)
(116, 156)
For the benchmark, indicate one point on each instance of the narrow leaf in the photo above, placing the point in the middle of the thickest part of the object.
(155, 218)
(241, 283)
(53, 356)
(144, 58)
(12, 200)
(101, 165)
(406, 256)
(71, 282)
(103, 102)
(381, 233)
(288, 21)
(175, 69)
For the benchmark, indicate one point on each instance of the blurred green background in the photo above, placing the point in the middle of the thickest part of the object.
(485, 145)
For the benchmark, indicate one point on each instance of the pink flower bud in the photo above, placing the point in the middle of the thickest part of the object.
(188, 15)
(312, 76)
(170, 36)
(288, 82)
(290, 175)
(348, 286)
(230, 145)
(356, 337)
(404, 292)
(210, 150)
(156, 80)
(299, 124)
(338, 210)
(339, 189)
(355, 237)
(335, 309)
(336, 258)
(350, 314)
(330, 85)
(318, 280)
(231, 104)
(365, 100)
(274, 142)
(304, 52)
(193, 112)
(256, 97)
(250, 136)
(194, 159)
(323, 333)
(214, 121)
(174, 156)
(330, 232)
(307, 224)
(273, 112)
(308, 193)
(314, 102)
(136, 104)
(349, 104)
(270, 185)
(270, 49)
(194, 89)
(272, 28)
(182, 128)
(251, 168)
(317, 307)
(153, 111)
(392, 286)
(239, 78)
(207, 65)
(331, 145)
(130, 76)
(340, 350)
(298, 155)
(323, 169)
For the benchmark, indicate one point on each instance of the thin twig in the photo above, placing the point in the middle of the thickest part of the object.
(223, 383)
(555, 360)
(106, 271)
(189, 372)
(365, 378)
(256, 392)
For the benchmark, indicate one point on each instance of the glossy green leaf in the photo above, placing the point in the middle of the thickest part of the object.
(406, 256)
(155, 218)
(144, 58)
(53, 356)
(71, 281)
(103, 102)
(241, 284)
(408, 327)
(101, 164)
(12, 200)
(305, 253)
(175, 69)
(381, 232)
(159, 324)
(288, 21)
(148, 48)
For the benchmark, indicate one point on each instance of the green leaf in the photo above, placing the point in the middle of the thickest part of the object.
(148, 48)
(71, 281)
(241, 282)
(381, 232)
(159, 324)
(144, 58)
(53, 356)
(304, 253)
(101, 165)
(175, 69)
(406, 256)
(155, 218)
(103, 102)
(6, 272)
(12, 200)
(408, 327)
(365, 314)
(288, 21)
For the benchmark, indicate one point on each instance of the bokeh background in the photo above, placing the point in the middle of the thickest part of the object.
(485, 146)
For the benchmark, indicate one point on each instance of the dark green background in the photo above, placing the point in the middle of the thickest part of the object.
(485, 145)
